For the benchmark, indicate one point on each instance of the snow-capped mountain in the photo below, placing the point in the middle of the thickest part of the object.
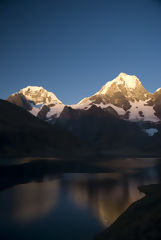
(121, 116)
(38, 101)
(124, 98)
(128, 86)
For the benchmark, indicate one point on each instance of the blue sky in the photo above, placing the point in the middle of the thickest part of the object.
(73, 47)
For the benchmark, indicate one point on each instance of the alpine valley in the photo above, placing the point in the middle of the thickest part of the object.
(121, 118)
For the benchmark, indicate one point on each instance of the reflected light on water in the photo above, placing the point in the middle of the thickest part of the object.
(108, 195)
(34, 200)
(55, 200)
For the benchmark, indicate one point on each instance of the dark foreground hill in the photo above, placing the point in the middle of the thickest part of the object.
(104, 132)
(23, 134)
(76, 132)
(141, 221)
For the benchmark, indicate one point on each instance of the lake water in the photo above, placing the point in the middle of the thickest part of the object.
(69, 199)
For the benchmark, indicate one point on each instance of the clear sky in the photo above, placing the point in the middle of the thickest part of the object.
(73, 47)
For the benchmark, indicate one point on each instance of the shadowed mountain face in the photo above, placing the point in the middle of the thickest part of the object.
(107, 133)
(23, 134)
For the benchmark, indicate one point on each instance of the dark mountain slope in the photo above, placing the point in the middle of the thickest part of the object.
(142, 220)
(98, 130)
(104, 131)
(23, 134)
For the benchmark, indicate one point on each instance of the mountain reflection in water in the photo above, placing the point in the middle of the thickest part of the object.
(34, 200)
(100, 190)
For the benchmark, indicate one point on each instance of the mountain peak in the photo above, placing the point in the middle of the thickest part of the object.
(39, 95)
(121, 93)
(128, 81)
(122, 74)
(32, 88)
(35, 99)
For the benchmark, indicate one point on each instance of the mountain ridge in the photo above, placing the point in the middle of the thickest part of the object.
(125, 95)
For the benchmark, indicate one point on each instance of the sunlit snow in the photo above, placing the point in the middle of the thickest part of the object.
(140, 106)
(34, 111)
(82, 105)
(130, 82)
(119, 110)
(56, 110)
(158, 89)
(38, 94)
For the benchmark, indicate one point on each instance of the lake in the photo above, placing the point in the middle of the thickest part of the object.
(69, 198)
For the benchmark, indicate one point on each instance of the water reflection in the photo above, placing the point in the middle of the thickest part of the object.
(103, 189)
(34, 200)
(31, 201)
(109, 195)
